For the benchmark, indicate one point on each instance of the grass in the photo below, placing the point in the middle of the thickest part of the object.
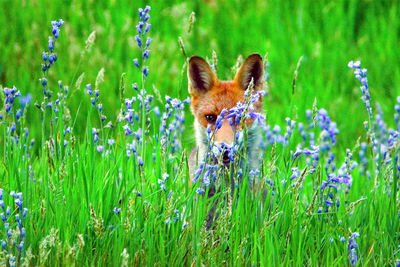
(70, 192)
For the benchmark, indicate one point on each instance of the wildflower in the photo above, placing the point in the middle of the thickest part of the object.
(176, 212)
(200, 191)
(117, 211)
(138, 40)
(295, 173)
(313, 150)
(99, 148)
(361, 75)
(140, 161)
(24, 213)
(148, 41)
(145, 71)
(89, 89)
(352, 245)
(162, 184)
(136, 62)
(111, 142)
(25, 101)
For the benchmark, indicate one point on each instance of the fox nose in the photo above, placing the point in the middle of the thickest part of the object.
(225, 159)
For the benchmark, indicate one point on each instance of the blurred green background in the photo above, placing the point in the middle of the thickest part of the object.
(328, 34)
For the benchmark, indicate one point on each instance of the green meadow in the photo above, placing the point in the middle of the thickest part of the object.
(103, 180)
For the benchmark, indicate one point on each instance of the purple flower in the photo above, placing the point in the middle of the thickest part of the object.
(111, 142)
(136, 62)
(140, 161)
(89, 89)
(145, 71)
(148, 41)
(295, 173)
(117, 211)
(138, 40)
(51, 44)
(99, 148)
(147, 27)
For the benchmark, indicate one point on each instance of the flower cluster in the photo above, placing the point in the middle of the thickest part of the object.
(383, 140)
(95, 100)
(210, 173)
(243, 111)
(142, 100)
(361, 75)
(272, 135)
(142, 29)
(15, 238)
(161, 182)
(49, 58)
(172, 124)
(352, 248)
(11, 94)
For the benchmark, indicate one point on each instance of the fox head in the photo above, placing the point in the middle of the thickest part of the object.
(210, 96)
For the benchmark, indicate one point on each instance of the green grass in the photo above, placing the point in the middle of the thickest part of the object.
(71, 192)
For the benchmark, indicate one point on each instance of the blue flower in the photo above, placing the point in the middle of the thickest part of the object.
(147, 27)
(136, 62)
(111, 142)
(145, 71)
(148, 41)
(25, 100)
(117, 211)
(140, 161)
(51, 44)
(138, 40)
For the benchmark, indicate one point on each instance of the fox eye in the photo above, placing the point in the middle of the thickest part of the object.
(210, 118)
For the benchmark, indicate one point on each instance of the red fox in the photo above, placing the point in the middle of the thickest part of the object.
(209, 96)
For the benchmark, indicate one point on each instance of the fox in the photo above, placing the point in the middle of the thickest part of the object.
(209, 96)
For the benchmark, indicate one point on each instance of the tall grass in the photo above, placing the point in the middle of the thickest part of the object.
(97, 196)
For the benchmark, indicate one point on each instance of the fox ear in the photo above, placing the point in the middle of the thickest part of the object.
(200, 75)
(252, 68)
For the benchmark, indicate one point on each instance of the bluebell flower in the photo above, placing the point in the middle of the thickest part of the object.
(148, 41)
(117, 211)
(295, 173)
(139, 27)
(140, 161)
(136, 62)
(18, 114)
(361, 75)
(25, 101)
(99, 148)
(147, 28)
(200, 191)
(352, 245)
(51, 44)
(111, 142)
(145, 71)
(162, 184)
(89, 89)
(21, 245)
(138, 40)
(25, 212)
